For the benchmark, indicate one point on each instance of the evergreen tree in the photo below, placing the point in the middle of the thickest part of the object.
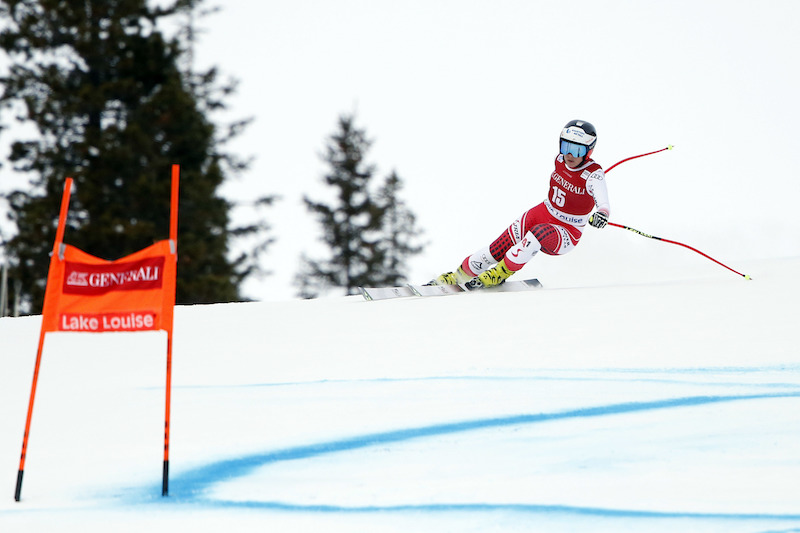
(400, 232)
(114, 110)
(362, 227)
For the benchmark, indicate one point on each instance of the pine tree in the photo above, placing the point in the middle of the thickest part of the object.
(113, 109)
(362, 228)
(400, 232)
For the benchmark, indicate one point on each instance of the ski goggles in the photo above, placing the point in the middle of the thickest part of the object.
(577, 150)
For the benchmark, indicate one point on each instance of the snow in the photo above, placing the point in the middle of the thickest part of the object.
(657, 399)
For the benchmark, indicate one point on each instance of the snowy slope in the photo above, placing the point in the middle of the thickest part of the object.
(647, 406)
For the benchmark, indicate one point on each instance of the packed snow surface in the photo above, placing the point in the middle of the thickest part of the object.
(655, 402)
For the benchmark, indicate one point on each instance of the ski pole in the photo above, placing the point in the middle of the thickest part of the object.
(670, 147)
(643, 234)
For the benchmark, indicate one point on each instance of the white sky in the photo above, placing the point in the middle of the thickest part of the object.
(465, 100)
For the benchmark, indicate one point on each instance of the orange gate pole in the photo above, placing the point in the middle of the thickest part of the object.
(62, 219)
(173, 236)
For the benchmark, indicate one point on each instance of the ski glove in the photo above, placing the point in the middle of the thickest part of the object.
(598, 220)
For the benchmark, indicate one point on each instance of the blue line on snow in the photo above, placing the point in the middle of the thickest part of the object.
(482, 507)
(555, 374)
(190, 486)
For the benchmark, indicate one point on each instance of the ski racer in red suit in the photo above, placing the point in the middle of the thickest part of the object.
(577, 187)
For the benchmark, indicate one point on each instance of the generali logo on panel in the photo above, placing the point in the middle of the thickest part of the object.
(94, 280)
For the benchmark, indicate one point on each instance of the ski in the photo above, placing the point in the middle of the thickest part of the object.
(436, 290)
(385, 293)
(444, 290)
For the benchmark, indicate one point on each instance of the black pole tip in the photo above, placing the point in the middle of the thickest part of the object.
(18, 492)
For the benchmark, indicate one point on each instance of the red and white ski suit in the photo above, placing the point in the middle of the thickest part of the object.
(554, 226)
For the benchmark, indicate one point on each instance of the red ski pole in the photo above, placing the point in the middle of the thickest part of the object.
(643, 234)
(670, 147)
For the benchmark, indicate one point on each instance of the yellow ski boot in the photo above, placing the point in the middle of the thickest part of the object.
(452, 278)
(495, 275)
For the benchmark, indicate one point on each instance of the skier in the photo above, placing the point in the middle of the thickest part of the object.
(577, 186)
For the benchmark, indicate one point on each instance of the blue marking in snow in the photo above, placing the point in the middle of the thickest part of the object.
(190, 487)
(484, 507)
(555, 375)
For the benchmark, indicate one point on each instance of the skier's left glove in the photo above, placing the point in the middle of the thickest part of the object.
(598, 220)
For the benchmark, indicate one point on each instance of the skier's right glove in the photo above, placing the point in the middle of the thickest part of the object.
(598, 220)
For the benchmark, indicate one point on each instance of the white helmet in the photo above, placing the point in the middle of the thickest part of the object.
(578, 132)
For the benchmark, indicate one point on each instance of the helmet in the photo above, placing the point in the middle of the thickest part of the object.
(580, 132)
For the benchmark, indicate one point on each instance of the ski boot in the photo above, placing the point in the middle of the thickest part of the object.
(452, 278)
(495, 276)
